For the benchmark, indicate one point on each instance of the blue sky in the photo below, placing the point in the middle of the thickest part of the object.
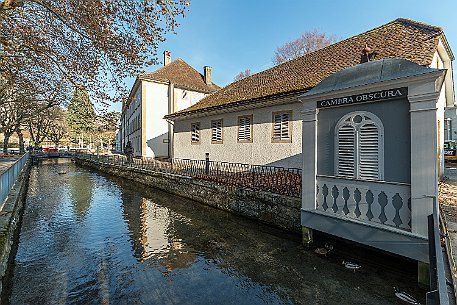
(233, 35)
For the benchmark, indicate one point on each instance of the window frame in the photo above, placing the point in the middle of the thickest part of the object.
(289, 127)
(222, 132)
(357, 174)
(198, 133)
(250, 117)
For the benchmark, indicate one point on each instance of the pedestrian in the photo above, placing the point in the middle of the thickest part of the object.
(128, 150)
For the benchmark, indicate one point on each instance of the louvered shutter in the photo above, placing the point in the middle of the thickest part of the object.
(244, 129)
(281, 126)
(369, 151)
(195, 132)
(216, 131)
(346, 151)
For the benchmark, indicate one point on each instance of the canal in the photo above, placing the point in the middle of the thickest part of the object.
(87, 238)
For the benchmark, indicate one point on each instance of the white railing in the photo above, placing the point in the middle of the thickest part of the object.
(8, 177)
(380, 202)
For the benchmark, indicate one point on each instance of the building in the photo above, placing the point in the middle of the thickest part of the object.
(174, 87)
(258, 119)
(370, 170)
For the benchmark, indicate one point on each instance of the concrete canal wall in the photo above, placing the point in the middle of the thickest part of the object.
(10, 219)
(277, 210)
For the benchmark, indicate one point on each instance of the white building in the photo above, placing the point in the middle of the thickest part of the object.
(174, 87)
(258, 119)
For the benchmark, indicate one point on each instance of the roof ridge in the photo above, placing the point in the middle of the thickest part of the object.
(419, 24)
(398, 20)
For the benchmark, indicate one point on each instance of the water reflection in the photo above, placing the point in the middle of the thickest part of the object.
(116, 242)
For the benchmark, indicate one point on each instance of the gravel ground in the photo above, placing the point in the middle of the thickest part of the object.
(448, 192)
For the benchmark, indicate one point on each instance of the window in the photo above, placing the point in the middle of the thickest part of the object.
(359, 142)
(245, 129)
(195, 132)
(216, 132)
(281, 127)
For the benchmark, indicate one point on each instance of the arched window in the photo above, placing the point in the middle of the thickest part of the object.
(359, 143)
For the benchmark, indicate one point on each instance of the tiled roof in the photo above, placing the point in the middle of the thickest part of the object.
(181, 74)
(401, 38)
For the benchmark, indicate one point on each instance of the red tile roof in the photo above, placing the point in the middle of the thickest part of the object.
(401, 38)
(181, 74)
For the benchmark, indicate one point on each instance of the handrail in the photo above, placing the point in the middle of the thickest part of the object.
(273, 179)
(8, 177)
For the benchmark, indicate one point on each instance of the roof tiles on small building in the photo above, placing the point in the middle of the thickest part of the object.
(401, 38)
(181, 74)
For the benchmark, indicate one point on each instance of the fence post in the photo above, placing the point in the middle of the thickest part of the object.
(206, 163)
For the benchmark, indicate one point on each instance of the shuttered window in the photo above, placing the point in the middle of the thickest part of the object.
(195, 133)
(281, 127)
(216, 132)
(360, 146)
(245, 129)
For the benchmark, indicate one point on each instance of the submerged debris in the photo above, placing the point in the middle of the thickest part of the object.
(405, 297)
(351, 265)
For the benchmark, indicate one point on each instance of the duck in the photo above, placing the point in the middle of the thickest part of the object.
(351, 265)
(405, 296)
(325, 250)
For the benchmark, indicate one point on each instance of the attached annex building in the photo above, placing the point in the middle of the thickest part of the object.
(258, 120)
(174, 87)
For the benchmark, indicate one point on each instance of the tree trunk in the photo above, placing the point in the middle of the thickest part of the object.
(21, 141)
(6, 140)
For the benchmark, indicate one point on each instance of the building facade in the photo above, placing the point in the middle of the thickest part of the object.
(174, 87)
(257, 120)
(371, 166)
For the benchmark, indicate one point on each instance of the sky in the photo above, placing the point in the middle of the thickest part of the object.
(234, 35)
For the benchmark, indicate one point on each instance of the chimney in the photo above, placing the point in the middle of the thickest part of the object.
(367, 55)
(207, 75)
(166, 57)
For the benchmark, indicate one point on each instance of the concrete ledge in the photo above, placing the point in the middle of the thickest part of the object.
(10, 218)
(405, 244)
(277, 210)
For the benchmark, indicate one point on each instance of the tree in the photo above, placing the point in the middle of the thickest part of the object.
(242, 74)
(58, 127)
(306, 43)
(92, 42)
(81, 114)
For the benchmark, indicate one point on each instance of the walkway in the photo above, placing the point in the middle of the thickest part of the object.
(6, 162)
(448, 202)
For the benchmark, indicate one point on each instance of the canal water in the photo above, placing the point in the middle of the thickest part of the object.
(87, 238)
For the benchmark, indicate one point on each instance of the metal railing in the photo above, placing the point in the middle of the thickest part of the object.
(8, 178)
(279, 180)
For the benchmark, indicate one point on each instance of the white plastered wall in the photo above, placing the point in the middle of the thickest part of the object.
(155, 99)
(261, 151)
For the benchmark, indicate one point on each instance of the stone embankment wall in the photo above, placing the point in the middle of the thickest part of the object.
(10, 219)
(277, 210)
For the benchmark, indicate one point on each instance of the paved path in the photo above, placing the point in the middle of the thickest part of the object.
(6, 162)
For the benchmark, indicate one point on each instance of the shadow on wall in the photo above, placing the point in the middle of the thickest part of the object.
(294, 161)
(158, 146)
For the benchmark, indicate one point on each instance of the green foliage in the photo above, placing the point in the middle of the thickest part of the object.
(81, 113)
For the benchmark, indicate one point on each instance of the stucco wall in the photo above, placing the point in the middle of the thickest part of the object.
(395, 117)
(261, 151)
(156, 103)
(133, 113)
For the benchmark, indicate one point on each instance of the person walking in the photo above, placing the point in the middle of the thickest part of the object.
(128, 150)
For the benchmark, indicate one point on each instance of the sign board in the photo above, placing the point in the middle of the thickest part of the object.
(364, 97)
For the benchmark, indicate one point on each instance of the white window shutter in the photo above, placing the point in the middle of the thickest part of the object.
(346, 151)
(369, 151)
